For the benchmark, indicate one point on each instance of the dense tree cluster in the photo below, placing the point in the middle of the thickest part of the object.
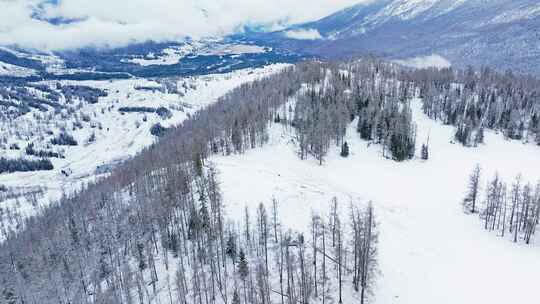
(161, 111)
(365, 90)
(24, 165)
(475, 100)
(64, 139)
(137, 110)
(510, 209)
(18, 97)
(31, 150)
(158, 130)
(85, 93)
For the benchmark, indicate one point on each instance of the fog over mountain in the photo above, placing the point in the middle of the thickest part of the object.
(67, 24)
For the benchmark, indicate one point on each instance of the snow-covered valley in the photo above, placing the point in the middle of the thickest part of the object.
(117, 135)
(430, 250)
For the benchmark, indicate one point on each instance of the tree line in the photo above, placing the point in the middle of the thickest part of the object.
(475, 100)
(509, 209)
(367, 91)
(24, 165)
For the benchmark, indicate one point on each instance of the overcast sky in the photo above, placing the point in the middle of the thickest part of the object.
(119, 22)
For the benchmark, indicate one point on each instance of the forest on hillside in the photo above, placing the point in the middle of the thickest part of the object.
(475, 100)
(155, 228)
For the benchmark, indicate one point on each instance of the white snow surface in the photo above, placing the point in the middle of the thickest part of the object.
(429, 250)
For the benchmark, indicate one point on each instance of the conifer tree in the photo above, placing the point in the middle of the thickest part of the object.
(231, 248)
(425, 152)
(243, 271)
(236, 297)
(471, 198)
(344, 150)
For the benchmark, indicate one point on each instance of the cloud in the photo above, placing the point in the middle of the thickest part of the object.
(66, 24)
(309, 34)
(432, 61)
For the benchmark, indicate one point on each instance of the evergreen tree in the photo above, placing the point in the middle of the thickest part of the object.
(344, 150)
(425, 152)
(231, 248)
(203, 214)
(471, 198)
(400, 147)
(365, 129)
(243, 267)
(479, 138)
(236, 137)
(463, 133)
(198, 164)
(243, 271)
(236, 297)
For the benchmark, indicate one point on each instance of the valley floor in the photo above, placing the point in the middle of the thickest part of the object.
(429, 250)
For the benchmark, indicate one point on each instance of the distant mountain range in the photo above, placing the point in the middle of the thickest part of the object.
(504, 34)
(500, 33)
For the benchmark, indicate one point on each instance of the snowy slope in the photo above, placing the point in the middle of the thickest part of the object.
(430, 252)
(120, 136)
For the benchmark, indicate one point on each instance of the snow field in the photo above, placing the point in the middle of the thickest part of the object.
(429, 250)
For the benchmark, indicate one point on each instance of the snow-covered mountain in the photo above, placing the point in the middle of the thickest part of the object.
(499, 33)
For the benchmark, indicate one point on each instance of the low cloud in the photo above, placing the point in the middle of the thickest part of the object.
(432, 61)
(41, 24)
(309, 34)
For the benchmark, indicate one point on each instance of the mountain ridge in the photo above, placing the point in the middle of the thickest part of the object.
(501, 33)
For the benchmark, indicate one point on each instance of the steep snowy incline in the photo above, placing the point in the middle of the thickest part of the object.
(430, 251)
